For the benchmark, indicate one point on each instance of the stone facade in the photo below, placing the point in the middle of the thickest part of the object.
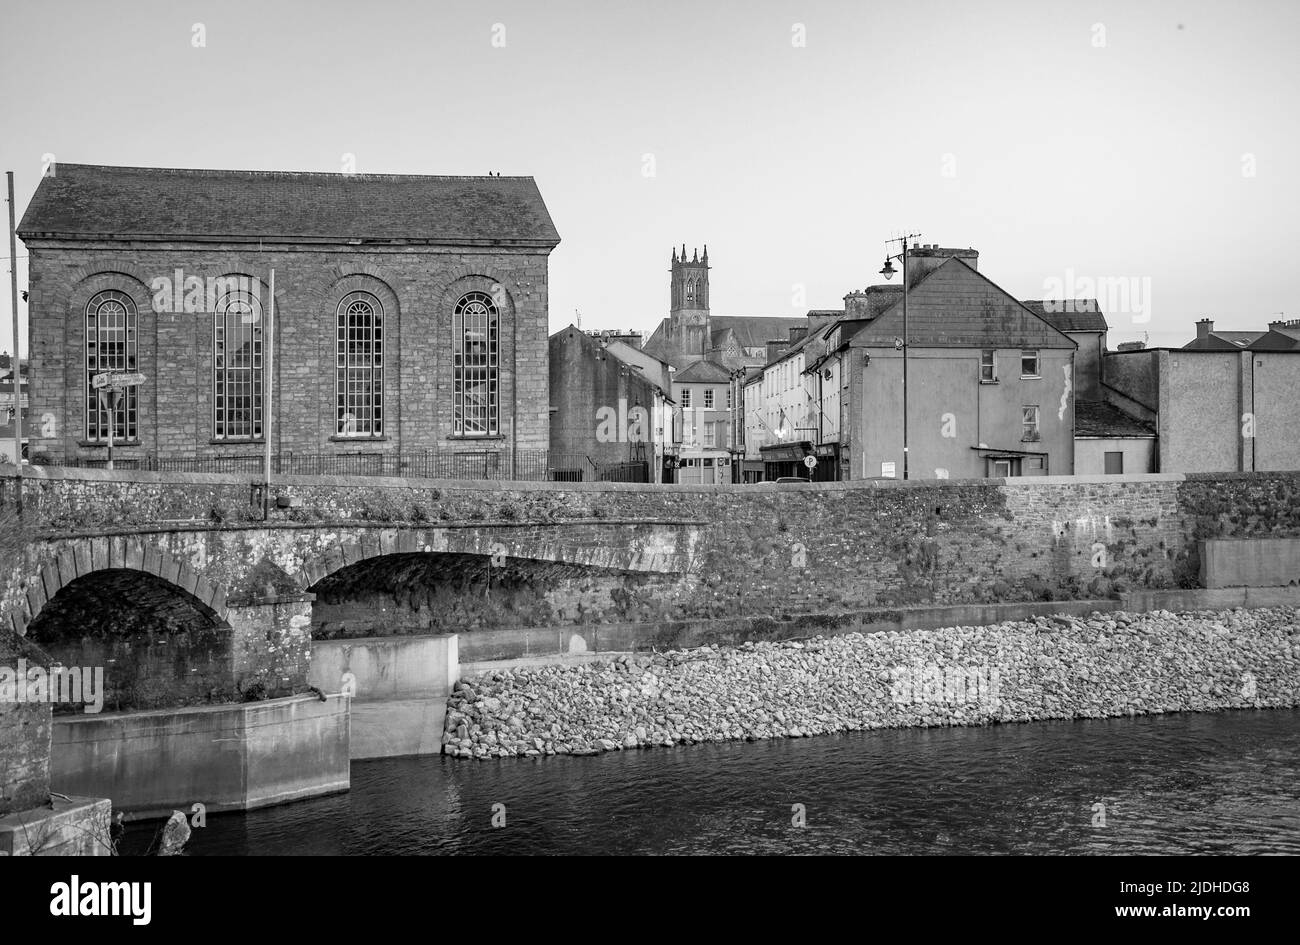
(175, 350)
(415, 273)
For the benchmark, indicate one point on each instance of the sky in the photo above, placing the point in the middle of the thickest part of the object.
(1146, 151)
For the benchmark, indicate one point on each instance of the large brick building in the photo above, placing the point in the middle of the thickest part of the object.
(410, 313)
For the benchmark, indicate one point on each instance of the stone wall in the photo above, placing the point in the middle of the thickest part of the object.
(417, 289)
(25, 734)
(734, 550)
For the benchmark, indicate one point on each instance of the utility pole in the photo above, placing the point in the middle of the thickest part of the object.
(268, 360)
(902, 343)
(15, 362)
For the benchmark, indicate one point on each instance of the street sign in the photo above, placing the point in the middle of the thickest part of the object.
(810, 462)
(116, 381)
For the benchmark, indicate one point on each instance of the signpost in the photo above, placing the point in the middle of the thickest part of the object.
(110, 387)
(811, 463)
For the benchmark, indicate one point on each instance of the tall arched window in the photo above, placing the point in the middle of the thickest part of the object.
(111, 346)
(475, 381)
(359, 366)
(237, 366)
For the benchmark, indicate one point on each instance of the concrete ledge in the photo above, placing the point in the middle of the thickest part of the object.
(73, 826)
(395, 728)
(1211, 599)
(1250, 562)
(387, 667)
(535, 645)
(227, 757)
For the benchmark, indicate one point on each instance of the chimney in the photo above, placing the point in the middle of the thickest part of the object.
(1203, 328)
(921, 260)
(796, 334)
(774, 349)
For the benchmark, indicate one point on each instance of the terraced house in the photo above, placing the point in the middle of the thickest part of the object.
(409, 324)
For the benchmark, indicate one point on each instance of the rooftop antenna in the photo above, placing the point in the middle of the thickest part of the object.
(578, 316)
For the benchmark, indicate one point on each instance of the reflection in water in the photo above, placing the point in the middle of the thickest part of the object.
(1226, 783)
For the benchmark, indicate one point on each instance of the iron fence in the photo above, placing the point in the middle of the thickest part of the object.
(522, 465)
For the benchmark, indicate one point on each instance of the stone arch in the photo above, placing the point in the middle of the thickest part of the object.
(476, 282)
(82, 557)
(637, 548)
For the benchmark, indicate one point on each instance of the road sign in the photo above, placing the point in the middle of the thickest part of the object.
(116, 381)
(810, 462)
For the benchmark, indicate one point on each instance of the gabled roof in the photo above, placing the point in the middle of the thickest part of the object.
(954, 306)
(1069, 314)
(1101, 419)
(1275, 341)
(1212, 342)
(755, 331)
(85, 200)
(703, 372)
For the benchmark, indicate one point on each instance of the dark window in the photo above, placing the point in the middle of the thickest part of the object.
(988, 365)
(1029, 364)
(237, 367)
(1029, 424)
(474, 335)
(1114, 463)
(110, 348)
(359, 366)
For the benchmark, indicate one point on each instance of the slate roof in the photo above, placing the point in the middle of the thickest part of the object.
(755, 331)
(954, 306)
(1212, 342)
(1101, 419)
(703, 372)
(1271, 340)
(1069, 314)
(84, 200)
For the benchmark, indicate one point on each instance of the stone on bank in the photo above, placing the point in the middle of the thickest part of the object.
(1059, 667)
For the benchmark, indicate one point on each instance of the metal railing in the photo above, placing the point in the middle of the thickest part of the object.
(521, 465)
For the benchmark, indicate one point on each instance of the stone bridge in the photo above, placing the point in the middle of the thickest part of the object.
(194, 593)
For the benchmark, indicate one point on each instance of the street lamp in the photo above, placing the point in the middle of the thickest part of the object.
(888, 271)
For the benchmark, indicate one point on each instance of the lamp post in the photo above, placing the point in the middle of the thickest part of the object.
(888, 272)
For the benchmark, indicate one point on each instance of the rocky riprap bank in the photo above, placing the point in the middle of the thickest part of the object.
(1047, 668)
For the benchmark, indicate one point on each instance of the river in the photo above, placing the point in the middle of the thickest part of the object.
(1225, 783)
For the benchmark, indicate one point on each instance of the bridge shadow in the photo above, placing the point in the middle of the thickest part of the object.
(158, 645)
(448, 592)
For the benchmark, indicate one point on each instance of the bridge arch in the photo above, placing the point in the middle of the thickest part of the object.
(439, 580)
(73, 559)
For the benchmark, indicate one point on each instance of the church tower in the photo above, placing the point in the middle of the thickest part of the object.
(688, 319)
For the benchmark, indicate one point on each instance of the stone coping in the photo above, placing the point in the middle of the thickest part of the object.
(73, 473)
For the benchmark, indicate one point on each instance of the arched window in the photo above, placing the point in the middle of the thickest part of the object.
(359, 366)
(475, 382)
(111, 346)
(237, 366)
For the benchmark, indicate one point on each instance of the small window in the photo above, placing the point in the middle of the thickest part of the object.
(710, 434)
(1005, 468)
(1029, 424)
(708, 398)
(988, 365)
(708, 464)
(728, 398)
(686, 398)
(1029, 364)
(1115, 464)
